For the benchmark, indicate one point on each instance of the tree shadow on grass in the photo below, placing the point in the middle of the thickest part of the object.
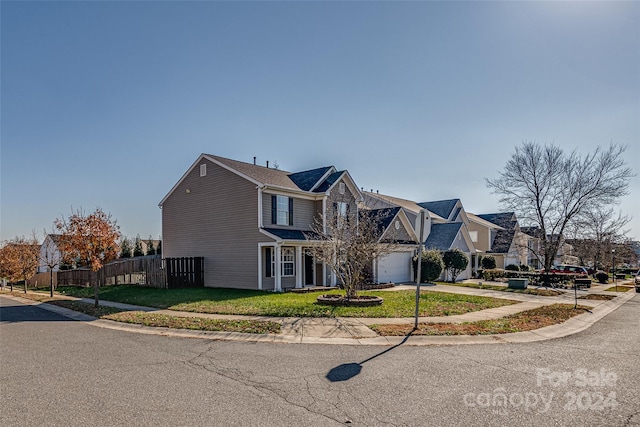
(346, 371)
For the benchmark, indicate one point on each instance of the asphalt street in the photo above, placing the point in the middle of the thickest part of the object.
(55, 371)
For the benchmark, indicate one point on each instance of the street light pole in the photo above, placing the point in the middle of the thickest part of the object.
(419, 272)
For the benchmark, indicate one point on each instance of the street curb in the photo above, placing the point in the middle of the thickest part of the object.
(572, 326)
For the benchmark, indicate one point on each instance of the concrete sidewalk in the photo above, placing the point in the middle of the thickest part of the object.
(356, 331)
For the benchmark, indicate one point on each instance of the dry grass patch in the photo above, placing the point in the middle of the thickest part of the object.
(519, 322)
(195, 323)
(598, 297)
(619, 288)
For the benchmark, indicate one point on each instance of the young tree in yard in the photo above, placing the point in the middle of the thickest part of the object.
(550, 189)
(20, 258)
(432, 265)
(137, 247)
(349, 240)
(455, 262)
(92, 239)
(159, 247)
(50, 256)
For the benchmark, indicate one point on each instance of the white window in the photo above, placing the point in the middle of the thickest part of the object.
(341, 188)
(203, 169)
(474, 236)
(287, 259)
(282, 210)
(341, 213)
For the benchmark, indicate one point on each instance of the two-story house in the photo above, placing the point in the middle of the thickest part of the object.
(445, 223)
(253, 224)
(499, 235)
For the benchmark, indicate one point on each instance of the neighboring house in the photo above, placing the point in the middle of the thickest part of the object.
(395, 226)
(445, 223)
(564, 255)
(49, 254)
(252, 224)
(499, 235)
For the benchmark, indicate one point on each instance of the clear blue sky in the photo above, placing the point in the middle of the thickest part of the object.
(106, 104)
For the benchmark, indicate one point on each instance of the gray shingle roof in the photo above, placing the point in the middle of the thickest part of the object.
(261, 174)
(502, 241)
(504, 219)
(442, 236)
(331, 179)
(307, 179)
(442, 208)
(286, 234)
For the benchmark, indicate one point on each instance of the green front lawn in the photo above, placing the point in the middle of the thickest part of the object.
(258, 303)
(519, 322)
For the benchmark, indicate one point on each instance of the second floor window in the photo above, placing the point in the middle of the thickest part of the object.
(341, 211)
(281, 210)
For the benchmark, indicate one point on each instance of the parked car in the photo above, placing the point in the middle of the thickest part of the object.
(637, 280)
(568, 269)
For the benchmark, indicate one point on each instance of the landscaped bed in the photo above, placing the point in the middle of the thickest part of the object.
(519, 322)
(598, 297)
(257, 303)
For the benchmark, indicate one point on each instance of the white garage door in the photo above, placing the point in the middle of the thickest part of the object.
(395, 267)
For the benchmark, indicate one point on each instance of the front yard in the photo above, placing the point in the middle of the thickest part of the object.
(257, 303)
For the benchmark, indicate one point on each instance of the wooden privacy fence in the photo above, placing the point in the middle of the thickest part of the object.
(185, 272)
(151, 271)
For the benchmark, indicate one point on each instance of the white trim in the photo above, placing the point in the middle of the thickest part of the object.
(260, 213)
(323, 178)
(298, 268)
(278, 276)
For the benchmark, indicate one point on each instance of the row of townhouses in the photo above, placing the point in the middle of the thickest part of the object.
(253, 225)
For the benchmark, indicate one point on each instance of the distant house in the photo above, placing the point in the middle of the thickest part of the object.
(49, 254)
(537, 257)
(254, 224)
(445, 223)
(499, 235)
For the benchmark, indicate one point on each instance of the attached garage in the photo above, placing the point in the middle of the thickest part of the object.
(395, 267)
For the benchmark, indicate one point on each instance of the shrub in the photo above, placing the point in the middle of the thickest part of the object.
(512, 267)
(488, 262)
(432, 266)
(455, 262)
(602, 277)
(524, 267)
(492, 274)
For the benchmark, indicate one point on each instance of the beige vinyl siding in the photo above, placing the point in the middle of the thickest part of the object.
(483, 236)
(303, 213)
(400, 234)
(215, 217)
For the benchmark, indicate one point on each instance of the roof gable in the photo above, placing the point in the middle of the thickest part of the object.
(506, 220)
(441, 208)
(442, 236)
(308, 180)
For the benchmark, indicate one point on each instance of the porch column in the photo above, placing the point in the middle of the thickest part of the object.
(299, 269)
(278, 276)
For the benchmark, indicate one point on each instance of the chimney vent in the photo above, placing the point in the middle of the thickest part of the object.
(267, 163)
(254, 160)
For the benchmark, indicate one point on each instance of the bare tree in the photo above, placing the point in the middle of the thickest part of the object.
(50, 256)
(350, 239)
(595, 233)
(549, 188)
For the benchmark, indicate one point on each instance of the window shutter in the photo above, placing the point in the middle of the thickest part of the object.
(290, 211)
(274, 209)
(267, 257)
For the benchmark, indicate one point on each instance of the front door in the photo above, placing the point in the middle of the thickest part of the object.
(308, 269)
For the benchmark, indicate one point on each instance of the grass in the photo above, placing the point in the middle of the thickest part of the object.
(598, 297)
(529, 291)
(519, 322)
(619, 288)
(290, 304)
(158, 320)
